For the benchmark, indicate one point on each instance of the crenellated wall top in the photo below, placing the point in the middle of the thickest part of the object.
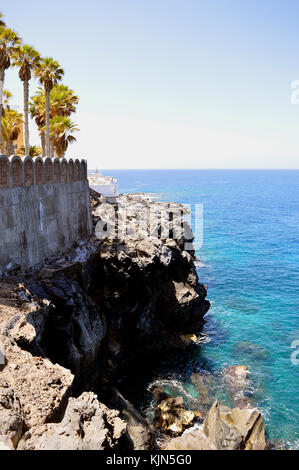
(27, 171)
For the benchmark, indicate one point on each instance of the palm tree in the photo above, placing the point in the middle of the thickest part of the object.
(9, 41)
(10, 127)
(63, 102)
(27, 59)
(37, 109)
(61, 130)
(6, 97)
(49, 73)
(34, 151)
(2, 23)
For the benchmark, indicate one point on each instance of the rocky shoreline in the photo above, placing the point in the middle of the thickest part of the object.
(67, 330)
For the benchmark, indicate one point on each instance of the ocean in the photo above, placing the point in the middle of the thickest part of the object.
(249, 260)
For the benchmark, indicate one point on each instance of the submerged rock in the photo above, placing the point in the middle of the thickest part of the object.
(237, 376)
(205, 385)
(276, 444)
(237, 381)
(87, 425)
(253, 351)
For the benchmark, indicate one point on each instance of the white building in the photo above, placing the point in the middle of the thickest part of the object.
(106, 185)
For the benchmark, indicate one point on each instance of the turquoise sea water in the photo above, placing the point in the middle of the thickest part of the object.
(250, 262)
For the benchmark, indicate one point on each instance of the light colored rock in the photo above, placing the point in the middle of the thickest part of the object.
(191, 338)
(11, 415)
(27, 329)
(6, 443)
(41, 388)
(193, 439)
(224, 429)
(235, 428)
(172, 416)
(87, 425)
(220, 430)
(251, 426)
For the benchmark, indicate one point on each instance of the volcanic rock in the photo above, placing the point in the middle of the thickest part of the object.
(87, 425)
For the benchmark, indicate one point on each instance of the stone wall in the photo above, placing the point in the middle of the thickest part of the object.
(44, 209)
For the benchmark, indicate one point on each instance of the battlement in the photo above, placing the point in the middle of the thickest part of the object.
(16, 172)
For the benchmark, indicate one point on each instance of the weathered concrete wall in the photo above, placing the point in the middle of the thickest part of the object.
(44, 209)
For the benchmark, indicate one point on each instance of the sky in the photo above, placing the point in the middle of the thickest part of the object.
(172, 83)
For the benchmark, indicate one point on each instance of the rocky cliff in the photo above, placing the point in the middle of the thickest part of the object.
(68, 328)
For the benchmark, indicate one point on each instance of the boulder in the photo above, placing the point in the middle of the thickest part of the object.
(219, 428)
(87, 425)
(171, 416)
(235, 429)
(224, 429)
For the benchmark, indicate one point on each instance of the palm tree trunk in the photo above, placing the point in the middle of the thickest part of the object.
(26, 121)
(9, 149)
(43, 143)
(48, 123)
(2, 75)
(52, 148)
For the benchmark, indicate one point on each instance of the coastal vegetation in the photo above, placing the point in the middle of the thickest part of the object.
(26, 59)
(50, 106)
(62, 103)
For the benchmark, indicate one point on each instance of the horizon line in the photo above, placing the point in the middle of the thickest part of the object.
(198, 169)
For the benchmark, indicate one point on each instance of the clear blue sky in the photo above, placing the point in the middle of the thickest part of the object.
(173, 83)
